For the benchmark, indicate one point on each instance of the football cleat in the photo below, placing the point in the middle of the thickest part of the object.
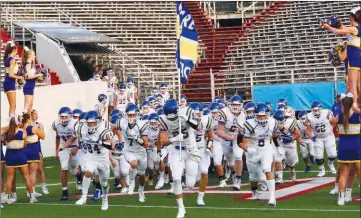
(200, 202)
(64, 195)
(118, 186)
(33, 200)
(236, 184)
(321, 173)
(171, 190)
(166, 179)
(272, 201)
(264, 186)
(131, 187)
(124, 190)
(10, 200)
(293, 174)
(160, 184)
(104, 203)
(81, 201)
(308, 169)
(332, 168)
(255, 195)
(45, 190)
(78, 187)
(279, 181)
(222, 183)
(181, 212)
(141, 196)
(97, 195)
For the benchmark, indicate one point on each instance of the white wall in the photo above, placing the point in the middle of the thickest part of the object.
(49, 99)
(50, 54)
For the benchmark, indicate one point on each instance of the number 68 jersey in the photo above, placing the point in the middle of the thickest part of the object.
(321, 126)
(93, 143)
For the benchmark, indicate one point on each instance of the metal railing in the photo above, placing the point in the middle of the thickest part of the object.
(254, 7)
(210, 8)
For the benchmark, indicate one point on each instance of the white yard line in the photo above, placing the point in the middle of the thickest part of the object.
(207, 208)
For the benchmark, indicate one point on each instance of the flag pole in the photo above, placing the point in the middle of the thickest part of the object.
(179, 120)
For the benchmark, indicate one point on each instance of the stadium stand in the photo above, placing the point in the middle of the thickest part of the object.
(216, 42)
(288, 47)
(146, 31)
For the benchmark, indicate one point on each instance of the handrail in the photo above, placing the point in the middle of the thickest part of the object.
(246, 9)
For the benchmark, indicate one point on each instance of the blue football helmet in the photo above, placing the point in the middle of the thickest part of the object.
(92, 117)
(183, 100)
(96, 75)
(205, 109)
(114, 112)
(163, 85)
(249, 108)
(130, 81)
(278, 115)
(132, 113)
(159, 96)
(144, 117)
(155, 91)
(214, 108)
(197, 108)
(145, 104)
(102, 98)
(216, 98)
(220, 103)
(82, 117)
(122, 86)
(282, 101)
(171, 108)
(160, 111)
(76, 112)
(269, 104)
(261, 109)
(281, 107)
(64, 115)
(302, 115)
(236, 104)
(316, 107)
(114, 118)
(153, 121)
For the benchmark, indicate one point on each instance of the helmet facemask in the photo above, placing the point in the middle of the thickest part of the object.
(153, 125)
(92, 126)
(132, 117)
(64, 119)
(236, 108)
(250, 114)
(262, 119)
(316, 111)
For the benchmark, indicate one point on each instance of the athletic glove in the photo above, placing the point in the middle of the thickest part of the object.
(287, 139)
(178, 138)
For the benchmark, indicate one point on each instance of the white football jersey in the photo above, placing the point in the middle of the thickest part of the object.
(153, 135)
(289, 127)
(259, 136)
(64, 132)
(172, 127)
(232, 124)
(81, 132)
(206, 124)
(131, 134)
(93, 143)
(214, 129)
(118, 150)
(166, 96)
(122, 101)
(100, 108)
(111, 83)
(303, 129)
(131, 93)
(321, 126)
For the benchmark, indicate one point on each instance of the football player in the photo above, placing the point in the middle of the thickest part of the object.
(112, 82)
(306, 143)
(288, 109)
(178, 130)
(163, 90)
(152, 159)
(287, 149)
(319, 124)
(229, 124)
(135, 143)
(132, 91)
(256, 142)
(121, 98)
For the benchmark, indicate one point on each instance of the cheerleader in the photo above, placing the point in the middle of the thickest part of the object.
(34, 133)
(348, 123)
(353, 52)
(11, 70)
(2, 167)
(15, 157)
(41, 173)
(30, 78)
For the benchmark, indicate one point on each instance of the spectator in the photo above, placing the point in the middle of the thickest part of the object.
(336, 107)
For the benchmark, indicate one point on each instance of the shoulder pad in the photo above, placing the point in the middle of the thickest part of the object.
(248, 125)
(162, 123)
(106, 134)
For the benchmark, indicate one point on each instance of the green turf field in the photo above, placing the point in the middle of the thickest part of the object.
(318, 203)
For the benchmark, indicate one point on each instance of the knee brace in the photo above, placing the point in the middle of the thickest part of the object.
(319, 161)
(177, 187)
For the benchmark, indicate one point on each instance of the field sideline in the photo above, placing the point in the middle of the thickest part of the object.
(221, 203)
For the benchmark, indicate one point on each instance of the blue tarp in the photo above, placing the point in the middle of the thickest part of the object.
(300, 95)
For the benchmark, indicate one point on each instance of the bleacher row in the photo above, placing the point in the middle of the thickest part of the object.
(287, 47)
(146, 30)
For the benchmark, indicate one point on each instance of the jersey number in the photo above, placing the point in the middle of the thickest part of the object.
(96, 149)
(184, 132)
(233, 129)
(198, 138)
(65, 138)
(261, 142)
(320, 128)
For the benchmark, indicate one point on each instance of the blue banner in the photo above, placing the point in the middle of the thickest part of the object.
(299, 96)
(187, 42)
